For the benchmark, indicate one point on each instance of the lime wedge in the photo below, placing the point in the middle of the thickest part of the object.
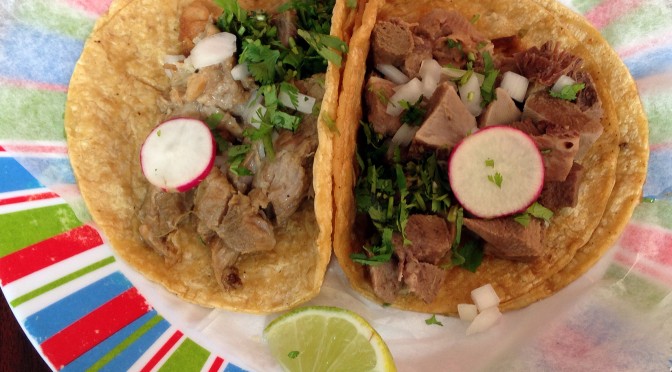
(320, 338)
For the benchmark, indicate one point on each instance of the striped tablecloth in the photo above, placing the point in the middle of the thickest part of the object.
(83, 309)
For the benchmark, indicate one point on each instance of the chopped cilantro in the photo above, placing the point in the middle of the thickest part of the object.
(468, 255)
(213, 120)
(377, 255)
(648, 199)
(496, 179)
(413, 114)
(475, 19)
(236, 155)
(489, 163)
(352, 4)
(433, 321)
(453, 44)
(293, 354)
(488, 86)
(523, 219)
(568, 92)
(535, 210)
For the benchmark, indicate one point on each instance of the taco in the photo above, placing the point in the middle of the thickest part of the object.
(255, 234)
(401, 234)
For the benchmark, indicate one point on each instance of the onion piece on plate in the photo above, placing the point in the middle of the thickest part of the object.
(484, 320)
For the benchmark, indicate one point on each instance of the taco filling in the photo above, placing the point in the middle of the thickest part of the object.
(261, 101)
(432, 85)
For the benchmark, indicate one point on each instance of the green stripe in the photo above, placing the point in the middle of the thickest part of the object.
(21, 229)
(41, 112)
(657, 213)
(637, 25)
(188, 357)
(639, 292)
(55, 16)
(583, 6)
(659, 113)
(126, 343)
(63, 280)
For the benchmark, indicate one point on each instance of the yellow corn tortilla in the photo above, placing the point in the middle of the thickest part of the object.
(111, 107)
(615, 166)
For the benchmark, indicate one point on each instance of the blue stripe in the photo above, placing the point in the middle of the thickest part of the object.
(27, 53)
(14, 177)
(56, 170)
(652, 62)
(128, 356)
(57, 316)
(658, 183)
(233, 368)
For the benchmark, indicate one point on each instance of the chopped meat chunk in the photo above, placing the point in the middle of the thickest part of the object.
(160, 215)
(508, 239)
(422, 50)
(527, 127)
(391, 42)
(566, 115)
(244, 228)
(546, 64)
(441, 22)
(423, 279)
(430, 237)
(557, 195)
(558, 148)
(447, 121)
(223, 264)
(286, 23)
(384, 281)
(502, 110)
(211, 202)
(378, 93)
(587, 99)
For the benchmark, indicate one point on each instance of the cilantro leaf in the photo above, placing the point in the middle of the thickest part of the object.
(261, 61)
(293, 354)
(488, 86)
(468, 256)
(568, 92)
(539, 211)
(433, 321)
(413, 114)
(496, 179)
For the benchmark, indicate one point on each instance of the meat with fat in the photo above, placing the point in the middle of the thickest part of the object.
(245, 228)
(447, 120)
(211, 202)
(509, 239)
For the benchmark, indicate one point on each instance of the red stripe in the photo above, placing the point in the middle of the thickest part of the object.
(643, 266)
(609, 11)
(43, 149)
(48, 252)
(33, 85)
(162, 352)
(92, 329)
(216, 365)
(652, 242)
(26, 198)
(2, 149)
(94, 6)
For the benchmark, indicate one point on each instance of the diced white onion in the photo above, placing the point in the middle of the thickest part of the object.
(467, 312)
(392, 74)
(484, 320)
(470, 94)
(304, 103)
(430, 72)
(455, 73)
(485, 297)
(172, 59)
(515, 85)
(213, 49)
(404, 135)
(260, 149)
(240, 72)
(409, 92)
(253, 110)
(562, 82)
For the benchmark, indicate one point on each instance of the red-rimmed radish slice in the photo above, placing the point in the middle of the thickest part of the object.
(178, 154)
(497, 171)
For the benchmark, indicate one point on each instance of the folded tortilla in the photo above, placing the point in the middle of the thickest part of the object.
(615, 166)
(112, 106)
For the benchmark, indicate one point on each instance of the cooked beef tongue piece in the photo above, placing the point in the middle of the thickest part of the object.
(441, 22)
(384, 280)
(509, 239)
(423, 279)
(527, 126)
(447, 120)
(430, 238)
(502, 110)
(557, 195)
(391, 42)
(566, 116)
(422, 50)
(223, 264)
(558, 147)
(160, 215)
(377, 95)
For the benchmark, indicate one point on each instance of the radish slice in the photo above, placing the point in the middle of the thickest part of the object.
(213, 49)
(496, 172)
(467, 312)
(485, 297)
(484, 320)
(178, 154)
